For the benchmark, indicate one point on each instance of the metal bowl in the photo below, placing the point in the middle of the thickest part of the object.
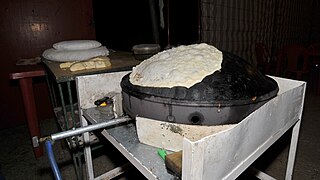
(145, 51)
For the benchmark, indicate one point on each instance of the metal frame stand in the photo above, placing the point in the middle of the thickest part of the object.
(86, 129)
(121, 61)
(66, 111)
(125, 139)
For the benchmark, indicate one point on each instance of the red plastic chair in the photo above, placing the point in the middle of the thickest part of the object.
(295, 61)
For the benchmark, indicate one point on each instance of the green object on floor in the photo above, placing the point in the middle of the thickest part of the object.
(162, 153)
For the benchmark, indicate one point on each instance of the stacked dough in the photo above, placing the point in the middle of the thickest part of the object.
(79, 54)
(180, 66)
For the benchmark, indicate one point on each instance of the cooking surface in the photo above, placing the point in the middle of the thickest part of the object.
(237, 83)
(225, 97)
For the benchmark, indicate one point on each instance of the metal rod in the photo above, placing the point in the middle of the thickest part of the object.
(71, 104)
(168, 25)
(50, 88)
(72, 112)
(69, 133)
(63, 106)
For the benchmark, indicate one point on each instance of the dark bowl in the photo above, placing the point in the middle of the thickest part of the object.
(145, 51)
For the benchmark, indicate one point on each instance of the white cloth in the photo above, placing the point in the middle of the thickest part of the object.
(74, 55)
(76, 45)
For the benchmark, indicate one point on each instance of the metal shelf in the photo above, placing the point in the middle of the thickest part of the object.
(125, 139)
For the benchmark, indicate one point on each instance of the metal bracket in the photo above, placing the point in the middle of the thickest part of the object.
(35, 141)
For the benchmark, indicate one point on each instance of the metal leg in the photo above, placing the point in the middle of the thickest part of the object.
(259, 174)
(74, 125)
(87, 150)
(76, 154)
(64, 110)
(71, 105)
(76, 160)
(51, 92)
(292, 150)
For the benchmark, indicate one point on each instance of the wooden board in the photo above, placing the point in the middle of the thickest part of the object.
(120, 61)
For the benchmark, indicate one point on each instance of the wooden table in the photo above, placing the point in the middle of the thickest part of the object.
(25, 74)
(120, 60)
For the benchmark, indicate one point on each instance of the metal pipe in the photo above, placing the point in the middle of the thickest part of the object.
(168, 25)
(154, 22)
(73, 132)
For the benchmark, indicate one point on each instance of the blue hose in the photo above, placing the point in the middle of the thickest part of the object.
(53, 162)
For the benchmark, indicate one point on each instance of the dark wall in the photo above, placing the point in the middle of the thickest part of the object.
(27, 29)
(183, 21)
(236, 26)
(121, 24)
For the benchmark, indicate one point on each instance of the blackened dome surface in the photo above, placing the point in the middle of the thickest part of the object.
(238, 82)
